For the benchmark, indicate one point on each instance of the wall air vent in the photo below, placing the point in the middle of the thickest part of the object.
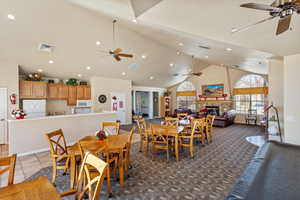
(46, 48)
(204, 47)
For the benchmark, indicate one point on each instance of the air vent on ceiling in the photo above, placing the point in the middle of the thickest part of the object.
(204, 47)
(46, 48)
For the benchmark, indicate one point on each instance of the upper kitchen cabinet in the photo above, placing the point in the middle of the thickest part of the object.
(33, 90)
(57, 92)
(72, 97)
(83, 92)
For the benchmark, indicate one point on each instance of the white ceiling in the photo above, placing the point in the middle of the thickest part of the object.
(158, 26)
(74, 30)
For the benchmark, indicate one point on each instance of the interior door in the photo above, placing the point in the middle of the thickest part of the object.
(3, 116)
(118, 105)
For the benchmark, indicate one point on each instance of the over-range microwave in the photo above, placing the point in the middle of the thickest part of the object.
(84, 103)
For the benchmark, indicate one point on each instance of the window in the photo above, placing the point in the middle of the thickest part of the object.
(244, 102)
(186, 101)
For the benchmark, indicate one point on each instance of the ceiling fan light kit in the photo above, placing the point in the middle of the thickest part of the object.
(284, 9)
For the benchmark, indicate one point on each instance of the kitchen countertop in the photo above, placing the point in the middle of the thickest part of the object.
(63, 116)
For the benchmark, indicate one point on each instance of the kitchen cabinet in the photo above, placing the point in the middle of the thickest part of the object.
(57, 92)
(63, 92)
(33, 90)
(53, 91)
(83, 92)
(72, 95)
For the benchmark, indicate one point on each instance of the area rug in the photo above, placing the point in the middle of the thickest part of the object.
(209, 175)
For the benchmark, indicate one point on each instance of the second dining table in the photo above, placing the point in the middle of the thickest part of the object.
(113, 144)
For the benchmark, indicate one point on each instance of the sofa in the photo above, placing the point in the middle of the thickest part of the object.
(226, 119)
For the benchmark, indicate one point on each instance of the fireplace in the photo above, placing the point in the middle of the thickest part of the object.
(213, 110)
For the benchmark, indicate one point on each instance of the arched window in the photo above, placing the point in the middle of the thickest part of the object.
(251, 81)
(248, 98)
(186, 101)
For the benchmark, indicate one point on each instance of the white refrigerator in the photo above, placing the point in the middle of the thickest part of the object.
(34, 108)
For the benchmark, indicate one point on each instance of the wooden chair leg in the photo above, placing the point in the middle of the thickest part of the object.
(168, 155)
(192, 151)
(141, 144)
(54, 171)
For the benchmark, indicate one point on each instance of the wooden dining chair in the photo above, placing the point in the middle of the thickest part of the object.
(182, 115)
(98, 149)
(187, 140)
(159, 140)
(126, 152)
(199, 132)
(145, 134)
(209, 127)
(90, 184)
(171, 121)
(59, 152)
(8, 164)
(111, 128)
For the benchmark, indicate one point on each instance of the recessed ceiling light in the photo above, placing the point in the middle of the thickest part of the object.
(134, 21)
(98, 43)
(51, 61)
(40, 70)
(228, 49)
(123, 73)
(171, 64)
(151, 77)
(206, 56)
(144, 56)
(88, 67)
(180, 44)
(79, 75)
(11, 17)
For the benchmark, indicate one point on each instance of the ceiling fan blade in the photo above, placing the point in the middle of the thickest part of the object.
(126, 55)
(197, 73)
(117, 58)
(235, 30)
(118, 50)
(260, 7)
(283, 24)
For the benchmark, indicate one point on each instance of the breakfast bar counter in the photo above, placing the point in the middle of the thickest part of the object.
(27, 136)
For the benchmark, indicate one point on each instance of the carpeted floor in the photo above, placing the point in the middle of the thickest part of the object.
(210, 175)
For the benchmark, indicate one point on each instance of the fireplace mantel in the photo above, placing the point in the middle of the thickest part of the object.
(214, 101)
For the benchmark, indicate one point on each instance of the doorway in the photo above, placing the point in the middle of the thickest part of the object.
(3, 116)
(142, 103)
(118, 105)
(155, 104)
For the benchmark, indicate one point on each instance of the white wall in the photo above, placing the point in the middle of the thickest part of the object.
(101, 85)
(291, 99)
(276, 88)
(28, 136)
(9, 78)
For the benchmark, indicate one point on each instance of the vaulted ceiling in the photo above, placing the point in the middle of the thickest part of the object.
(169, 28)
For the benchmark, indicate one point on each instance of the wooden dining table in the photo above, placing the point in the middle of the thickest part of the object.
(113, 144)
(36, 189)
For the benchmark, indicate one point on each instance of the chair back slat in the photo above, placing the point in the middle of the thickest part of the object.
(182, 115)
(57, 142)
(111, 128)
(171, 121)
(157, 136)
(8, 164)
(88, 184)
